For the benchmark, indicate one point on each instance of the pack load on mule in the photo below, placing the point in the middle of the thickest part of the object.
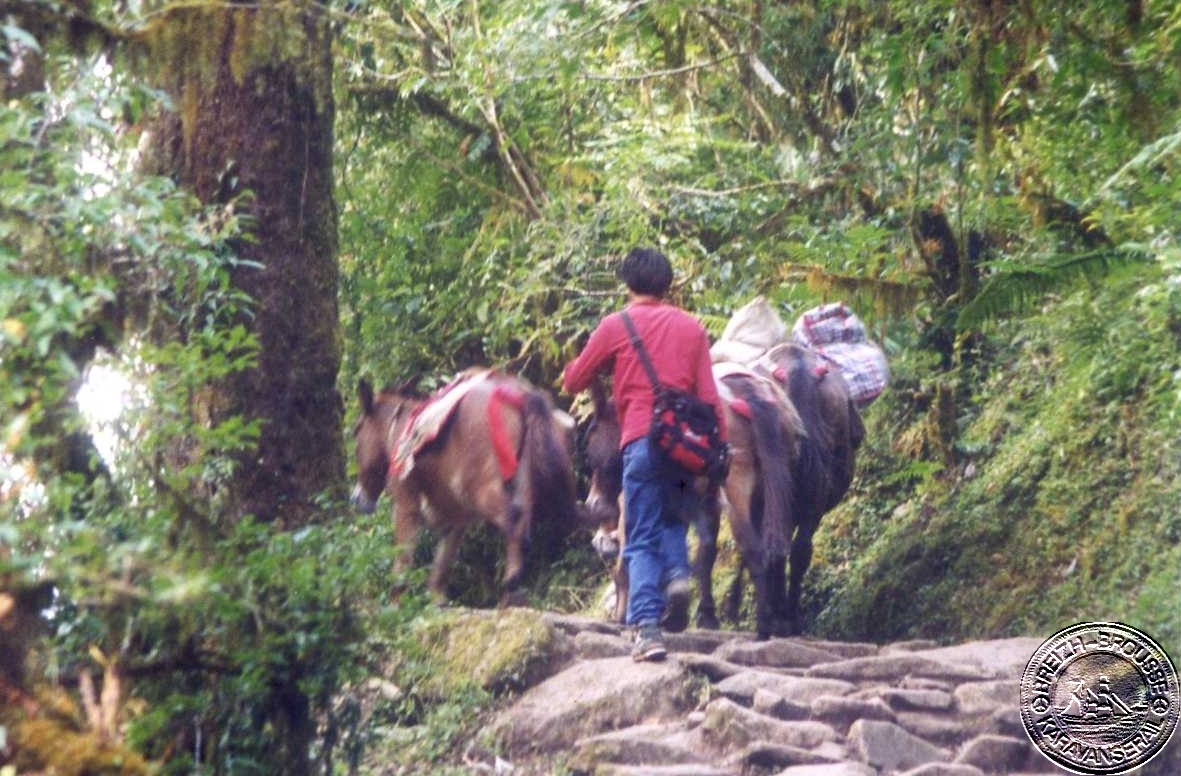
(832, 331)
(794, 433)
(489, 447)
(824, 459)
(836, 333)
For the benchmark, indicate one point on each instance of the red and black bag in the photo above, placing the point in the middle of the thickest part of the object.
(684, 428)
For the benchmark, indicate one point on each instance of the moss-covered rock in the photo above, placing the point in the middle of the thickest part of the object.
(494, 650)
(47, 735)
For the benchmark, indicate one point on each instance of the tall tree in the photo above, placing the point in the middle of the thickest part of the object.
(253, 130)
(249, 132)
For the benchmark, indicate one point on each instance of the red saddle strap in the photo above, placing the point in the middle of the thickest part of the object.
(506, 455)
(742, 407)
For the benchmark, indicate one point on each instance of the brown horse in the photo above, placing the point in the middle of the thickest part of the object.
(489, 448)
(763, 430)
(826, 458)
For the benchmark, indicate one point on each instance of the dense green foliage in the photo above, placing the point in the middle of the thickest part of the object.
(197, 626)
(993, 186)
(1061, 505)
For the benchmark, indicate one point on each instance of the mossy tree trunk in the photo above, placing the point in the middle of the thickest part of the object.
(253, 125)
(253, 130)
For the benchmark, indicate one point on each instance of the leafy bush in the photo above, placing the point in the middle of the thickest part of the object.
(1058, 509)
(211, 642)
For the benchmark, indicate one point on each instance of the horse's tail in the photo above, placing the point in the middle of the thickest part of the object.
(776, 519)
(812, 473)
(543, 487)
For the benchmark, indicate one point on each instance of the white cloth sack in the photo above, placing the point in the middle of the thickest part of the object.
(752, 330)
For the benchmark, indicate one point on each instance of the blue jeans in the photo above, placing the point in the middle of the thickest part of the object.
(656, 546)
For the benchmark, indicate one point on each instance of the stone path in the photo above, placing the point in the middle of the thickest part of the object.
(724, 704)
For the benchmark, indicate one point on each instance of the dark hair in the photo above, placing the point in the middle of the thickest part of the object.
(646, 271)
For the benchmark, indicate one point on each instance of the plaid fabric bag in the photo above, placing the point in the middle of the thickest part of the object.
(864, 367)
(829, 324)
(835, 332)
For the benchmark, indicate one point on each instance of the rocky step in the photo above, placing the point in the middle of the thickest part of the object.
(723, 704)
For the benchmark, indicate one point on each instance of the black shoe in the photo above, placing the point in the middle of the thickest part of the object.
(676, 606)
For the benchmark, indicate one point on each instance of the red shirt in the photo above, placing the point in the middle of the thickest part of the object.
(678, 348)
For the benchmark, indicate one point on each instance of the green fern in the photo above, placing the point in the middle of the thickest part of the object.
(1016, 288)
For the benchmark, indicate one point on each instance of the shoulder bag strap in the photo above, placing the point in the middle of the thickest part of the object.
(638, 344)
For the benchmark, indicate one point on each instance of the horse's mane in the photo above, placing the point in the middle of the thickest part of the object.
(407, 389)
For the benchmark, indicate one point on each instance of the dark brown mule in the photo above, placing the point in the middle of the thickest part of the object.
(825, 461)
(500, 457)
(758, 489)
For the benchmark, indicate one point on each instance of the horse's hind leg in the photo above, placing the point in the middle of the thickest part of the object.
(444, 558)
(754, 557)
(514, 564)
(708, 521)
(760, 574)
(758, 562)
(732, 601)
(801, 558)
(777, 586)
(782, 620)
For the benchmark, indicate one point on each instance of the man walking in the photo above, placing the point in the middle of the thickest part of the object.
(656, 547)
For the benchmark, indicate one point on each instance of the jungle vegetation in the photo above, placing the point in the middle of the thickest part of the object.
(244, 209)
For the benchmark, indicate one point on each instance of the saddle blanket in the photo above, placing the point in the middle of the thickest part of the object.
(768, 390)
(430, 417)
(724, 369)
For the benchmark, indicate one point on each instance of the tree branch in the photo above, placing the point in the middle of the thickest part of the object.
(653, 74)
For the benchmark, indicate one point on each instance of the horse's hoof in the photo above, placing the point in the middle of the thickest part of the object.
(782, 629)
(512, 599)
(707, 621)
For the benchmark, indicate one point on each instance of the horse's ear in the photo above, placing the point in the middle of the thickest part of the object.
(409, 387)
(365, 394)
